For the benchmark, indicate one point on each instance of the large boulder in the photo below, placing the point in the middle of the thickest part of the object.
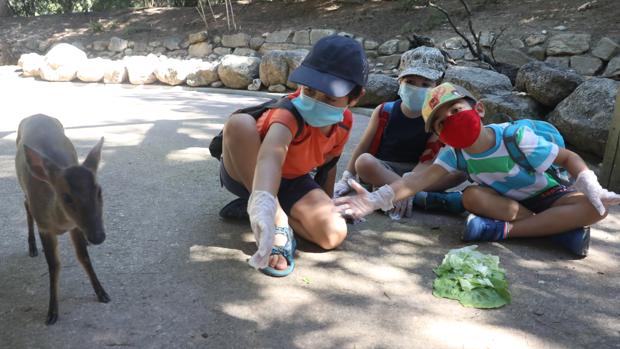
(141, 69)
(379, 88)
(197, 37)
(200, 49)
(606, 49)
(280, 36)
(515, 105)
(173, 71)
(61, 63)
(115, 72)
(238, 71)
(546, 84)
(236, 40)
(568, 44)
(586, 65)
(203, 74)
(30, 64)
(613, 68)
(511, 56)
(118, 44)
(389, 47)
(318, 34)
(584, 117)
(276, 66)
(92, 70)
(479, 81)
(6, 54)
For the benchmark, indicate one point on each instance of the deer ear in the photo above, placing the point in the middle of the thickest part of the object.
(92, 160)
(41, 167)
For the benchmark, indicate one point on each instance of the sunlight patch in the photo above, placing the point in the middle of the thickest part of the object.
(200, 253)
(191, 154)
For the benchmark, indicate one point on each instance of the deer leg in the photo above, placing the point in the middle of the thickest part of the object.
(49, 243)
(32, 242)
(80, 243)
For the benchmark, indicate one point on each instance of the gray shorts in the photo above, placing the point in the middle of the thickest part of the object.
(400, 168)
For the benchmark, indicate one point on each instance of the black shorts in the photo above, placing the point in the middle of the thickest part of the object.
(546, 199)
(291, 190)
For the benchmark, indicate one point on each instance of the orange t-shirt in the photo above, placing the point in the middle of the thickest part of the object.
(312, 148)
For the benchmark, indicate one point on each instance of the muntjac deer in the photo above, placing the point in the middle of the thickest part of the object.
(61, 195)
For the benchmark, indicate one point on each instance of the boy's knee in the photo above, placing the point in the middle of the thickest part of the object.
(332, 232)
(365, 164)
(472, 198)
(239, 125)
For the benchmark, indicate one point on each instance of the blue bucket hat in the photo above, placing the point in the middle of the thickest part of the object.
(334, 66)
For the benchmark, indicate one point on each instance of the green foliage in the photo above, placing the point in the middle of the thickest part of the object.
(44, 7)
(95, 26)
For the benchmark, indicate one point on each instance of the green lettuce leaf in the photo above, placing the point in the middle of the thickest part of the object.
(475, 279)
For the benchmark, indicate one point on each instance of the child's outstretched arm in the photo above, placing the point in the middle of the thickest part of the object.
(342, 186)
(363, 203)
(586, 181)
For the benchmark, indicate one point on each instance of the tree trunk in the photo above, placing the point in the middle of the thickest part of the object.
(5, 10)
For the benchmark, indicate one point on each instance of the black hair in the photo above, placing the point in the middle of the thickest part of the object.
(356, 92)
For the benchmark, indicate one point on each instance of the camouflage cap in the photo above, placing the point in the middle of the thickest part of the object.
(439, 96)
(423, 61)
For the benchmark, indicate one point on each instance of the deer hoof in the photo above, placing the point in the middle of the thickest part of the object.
(103, 297)
(51, 318)
(33, 252)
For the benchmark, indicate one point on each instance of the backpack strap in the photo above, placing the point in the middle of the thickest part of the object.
(285, 103)
(384, 116)
(509, 136)
(461, 164)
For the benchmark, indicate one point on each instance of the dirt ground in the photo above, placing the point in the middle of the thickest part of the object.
(377, 20)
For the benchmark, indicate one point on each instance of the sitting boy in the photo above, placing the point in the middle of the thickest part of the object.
(510, 202)
(395, 141)
(273, 156)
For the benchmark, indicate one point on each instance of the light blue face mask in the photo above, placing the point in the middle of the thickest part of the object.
(412, 96)
(317, 113)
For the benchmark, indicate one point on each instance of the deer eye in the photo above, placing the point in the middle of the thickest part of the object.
(67, 199)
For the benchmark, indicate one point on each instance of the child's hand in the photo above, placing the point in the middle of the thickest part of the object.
(402, 209)
(363, 203)
(600, 198)
(342, 186)
(262, 211)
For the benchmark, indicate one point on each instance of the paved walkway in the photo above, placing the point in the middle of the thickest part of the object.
(178, 276)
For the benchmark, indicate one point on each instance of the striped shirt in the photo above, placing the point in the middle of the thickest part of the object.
(495, 168)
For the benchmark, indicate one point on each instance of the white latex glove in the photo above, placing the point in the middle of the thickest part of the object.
(600, 198)
(402, 209)
(262, 211)
(342, 186)
(363, 203)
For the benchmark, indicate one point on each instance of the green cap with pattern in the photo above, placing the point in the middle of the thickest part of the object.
(439, 96)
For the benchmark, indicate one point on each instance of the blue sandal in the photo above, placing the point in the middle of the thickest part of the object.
(287, 251)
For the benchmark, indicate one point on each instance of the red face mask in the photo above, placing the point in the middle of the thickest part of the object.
(461, 129)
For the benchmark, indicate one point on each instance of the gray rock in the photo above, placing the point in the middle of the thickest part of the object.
(560, 28)
(222, 51)
(203, 74)
(92, 70)
(478, 81)
(217, 84)
(606, 49)
(141, 69)
(268, 47)
(318, 34)
(77, 44)
(61, 63)
(217, 40)
(280, 36)
(301, 37)
(172, 43)
(513, 104)
(469, 56)
(256, 42)
(370, 45)
(30, 64)
(403, 45)
(236, 40)
(197, 37)
(559, 62)
(100, 45)
(117, 44)
(160, 50)
(511, 56)
(243, 51)
(389, 47)
(568, 44)
(486, 38)
(586, 65)
(613, 68)
(155, 43)
(238, 71)
(584, 117)
(379, 88)
(279, 88)
(547, 84)
(128, 52)
(115, 72)
(201, 49)
(45, 44)
(517, 43)
(389, 62)
(255, 85)
(372, 54)
(140, 47)
(457, 54)
(537, 52)
(535, 39)
(173, 71)
(276, 66)
(453, 43)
